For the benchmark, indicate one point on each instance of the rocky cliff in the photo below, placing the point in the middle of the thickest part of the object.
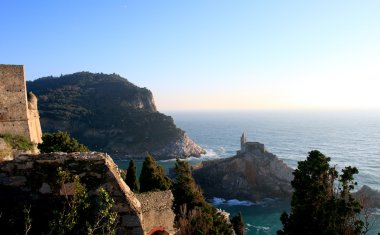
(110, 114)
(247, 176)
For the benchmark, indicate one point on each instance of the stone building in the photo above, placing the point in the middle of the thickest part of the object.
(18, 112)
(250, 147)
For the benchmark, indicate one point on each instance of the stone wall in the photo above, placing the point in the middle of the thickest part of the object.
(157, 211)
(34, 175)
(14, 114)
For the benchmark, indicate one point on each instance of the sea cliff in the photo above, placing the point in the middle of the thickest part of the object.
(108, 113)
(252, 175)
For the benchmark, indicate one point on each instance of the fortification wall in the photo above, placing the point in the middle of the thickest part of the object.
(13, 101)
(15, 117)
(34, 176)
(157, 211)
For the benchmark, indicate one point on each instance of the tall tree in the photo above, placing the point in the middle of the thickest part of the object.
(321, 201)
(194, 214)
(238, 224)
(131, 177)
(152, 176)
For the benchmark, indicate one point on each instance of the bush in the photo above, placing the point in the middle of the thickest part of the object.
(17, 142)
(60, 142)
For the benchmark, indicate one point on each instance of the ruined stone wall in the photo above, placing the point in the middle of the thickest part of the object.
(34, 174)
(157, 211)
(13, 102)
(15, 116)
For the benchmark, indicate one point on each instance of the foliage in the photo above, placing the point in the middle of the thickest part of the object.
(194, 214)
(238, 224)
(60, 142)
(185, 189)
(152, 177)
(104, 112)
(17, 141)
(131, 177)
(321, 201)
(81, 213)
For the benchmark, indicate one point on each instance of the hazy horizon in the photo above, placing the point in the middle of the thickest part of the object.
(208, 55)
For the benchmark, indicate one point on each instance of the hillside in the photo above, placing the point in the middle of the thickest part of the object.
(108, 113)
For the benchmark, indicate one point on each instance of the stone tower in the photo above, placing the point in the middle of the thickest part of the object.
(18, 115)
(243, 140)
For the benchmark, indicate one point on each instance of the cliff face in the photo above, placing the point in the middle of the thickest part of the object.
(110, 114)
(246, 176)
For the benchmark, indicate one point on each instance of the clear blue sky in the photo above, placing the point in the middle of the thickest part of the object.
(201, 54)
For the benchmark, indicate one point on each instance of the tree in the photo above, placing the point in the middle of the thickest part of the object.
(185, 189)
(152, 176)
(238, 224)
(322, 202)
(60, 142)
(131, 177)
(194, 214)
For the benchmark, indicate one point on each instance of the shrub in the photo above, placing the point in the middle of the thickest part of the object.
(60, 142)
(17, 141)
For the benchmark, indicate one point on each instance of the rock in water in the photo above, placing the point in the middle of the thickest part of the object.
(253, 174)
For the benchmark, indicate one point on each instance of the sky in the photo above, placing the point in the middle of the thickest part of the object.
(204, 54)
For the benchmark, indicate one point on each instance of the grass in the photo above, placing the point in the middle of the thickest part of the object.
(17, 141)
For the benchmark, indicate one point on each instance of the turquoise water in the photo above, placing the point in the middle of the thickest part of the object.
(349, 138)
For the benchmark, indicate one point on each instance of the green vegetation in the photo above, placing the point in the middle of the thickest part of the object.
(194, 214)
(60, 142)
(71, 211)
(131, 177)
(322, 201)
(152, 177)
(82, 214)
(238, 224)
(105, 112)
(17, 142)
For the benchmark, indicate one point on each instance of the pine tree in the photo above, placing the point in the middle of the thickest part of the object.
(152, 176)
(321, 201)
(238, 224)
(131, 177)
(194, 214)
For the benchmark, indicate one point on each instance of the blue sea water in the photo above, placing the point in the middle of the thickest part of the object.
(349, 138)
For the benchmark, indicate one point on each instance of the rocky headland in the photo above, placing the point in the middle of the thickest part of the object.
(253, 174)
(110, 114)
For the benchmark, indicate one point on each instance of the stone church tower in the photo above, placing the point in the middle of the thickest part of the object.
(18, 112)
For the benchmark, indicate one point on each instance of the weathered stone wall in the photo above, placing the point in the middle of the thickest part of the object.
(34, 174)
(13, 102)
(157, 211)
(14, 114)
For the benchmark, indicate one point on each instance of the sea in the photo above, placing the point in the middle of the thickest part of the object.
(349, 138)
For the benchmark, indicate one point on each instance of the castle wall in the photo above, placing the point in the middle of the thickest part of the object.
(157, 211)
(13, 102)
(34, 176)
(15, 117)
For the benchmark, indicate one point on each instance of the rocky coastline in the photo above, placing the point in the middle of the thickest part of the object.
(252, 175)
